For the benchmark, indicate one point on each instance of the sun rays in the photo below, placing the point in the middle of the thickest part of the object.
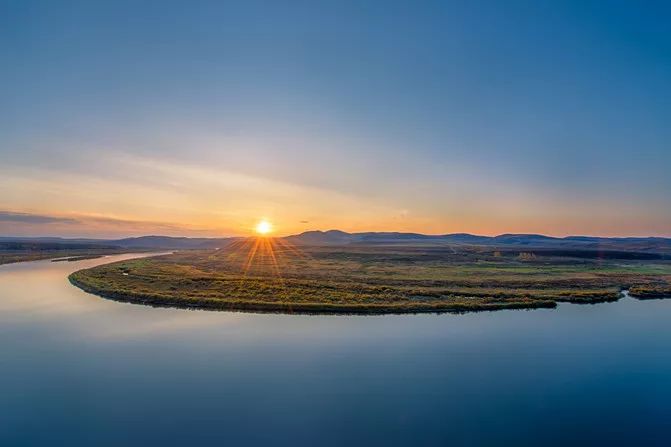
(261, 255)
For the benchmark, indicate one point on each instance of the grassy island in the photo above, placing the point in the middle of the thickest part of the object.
(275, 277)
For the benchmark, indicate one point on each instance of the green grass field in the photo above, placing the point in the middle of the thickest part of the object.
(268, 276)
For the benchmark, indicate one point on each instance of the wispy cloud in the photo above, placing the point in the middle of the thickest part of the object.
(29, 224)
(29, 218)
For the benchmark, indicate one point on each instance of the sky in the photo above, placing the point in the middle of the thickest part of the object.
(196, 118)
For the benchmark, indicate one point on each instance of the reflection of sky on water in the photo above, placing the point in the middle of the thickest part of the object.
(81, 370)
(46, 295)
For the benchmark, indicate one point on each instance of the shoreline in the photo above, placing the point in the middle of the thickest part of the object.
(307, 308)
(259, 307)
(206, 281)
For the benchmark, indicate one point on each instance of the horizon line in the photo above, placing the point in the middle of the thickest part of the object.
(335, 230)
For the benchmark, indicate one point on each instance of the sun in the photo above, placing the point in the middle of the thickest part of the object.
(264, 227)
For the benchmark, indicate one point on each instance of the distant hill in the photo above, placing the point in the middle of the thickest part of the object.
(337, 237)
(175, 243)
(7, 244)
(331, 237)
(142, 242)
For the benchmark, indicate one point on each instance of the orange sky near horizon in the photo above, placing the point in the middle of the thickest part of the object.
(126, 195)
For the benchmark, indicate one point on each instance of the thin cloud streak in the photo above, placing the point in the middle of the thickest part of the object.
(93, 226)
(28, 218)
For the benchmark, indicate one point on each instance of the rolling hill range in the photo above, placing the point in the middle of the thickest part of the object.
(336, 237)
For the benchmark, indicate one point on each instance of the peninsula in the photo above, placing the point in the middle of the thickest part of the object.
(400, 274)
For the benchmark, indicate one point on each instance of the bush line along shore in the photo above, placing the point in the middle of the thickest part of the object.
(368, 280)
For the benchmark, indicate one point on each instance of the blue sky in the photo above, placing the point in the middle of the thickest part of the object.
(203, 117)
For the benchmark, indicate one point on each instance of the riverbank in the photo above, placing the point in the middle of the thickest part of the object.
(185, 302)
(362, 280)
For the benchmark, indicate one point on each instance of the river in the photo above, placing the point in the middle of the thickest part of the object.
(79, 370)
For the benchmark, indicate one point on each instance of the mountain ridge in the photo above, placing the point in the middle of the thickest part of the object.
(339, 237)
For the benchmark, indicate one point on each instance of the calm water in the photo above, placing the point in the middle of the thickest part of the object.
(78, 370)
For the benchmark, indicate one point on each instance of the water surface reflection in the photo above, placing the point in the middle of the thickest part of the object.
(80, 370)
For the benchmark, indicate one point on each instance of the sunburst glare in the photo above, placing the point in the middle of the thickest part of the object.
(264, 227)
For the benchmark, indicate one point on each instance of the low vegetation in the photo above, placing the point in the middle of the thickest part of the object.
(11, 257)
(22, 251)
(77, 258)
(648, 291)
(269, 276)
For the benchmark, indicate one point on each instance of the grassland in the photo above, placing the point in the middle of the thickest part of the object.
(12, 251)
(10, 257)
(267, 276)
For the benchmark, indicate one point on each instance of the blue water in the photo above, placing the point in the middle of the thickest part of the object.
(78, 370)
